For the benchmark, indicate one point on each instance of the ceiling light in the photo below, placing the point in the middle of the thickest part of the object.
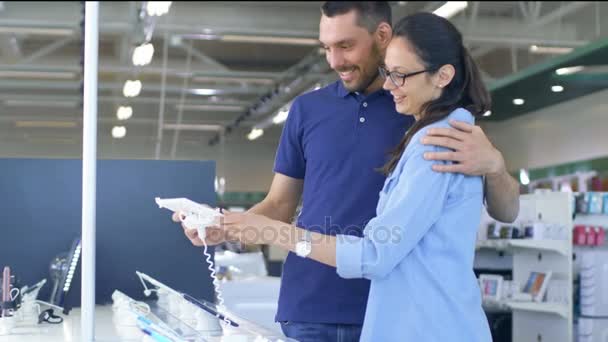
(204, 91)
(41, 31)
(175, 40)
(487, 113)
(518, 102)
(451, 8)
(242, 38)
(212, 108)
(188, 127)
(569, 70)
(255, 133)
(131, 88)
(281, 116)
(56, 75)
(38, 103)
(45, 124)
(119, 132)
(124, 112)
(524, 178)
(142, 55)
(157, 8)
(265, 81)
(557, 88)
(550, 50)
(269, 39)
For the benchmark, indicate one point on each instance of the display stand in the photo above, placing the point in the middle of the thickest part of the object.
(539, 321)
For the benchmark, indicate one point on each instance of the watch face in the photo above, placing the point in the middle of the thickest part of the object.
(303, 248)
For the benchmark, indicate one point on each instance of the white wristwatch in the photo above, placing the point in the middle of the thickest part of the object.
(304, 246)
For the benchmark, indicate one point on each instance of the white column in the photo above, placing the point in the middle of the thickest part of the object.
(89, 167)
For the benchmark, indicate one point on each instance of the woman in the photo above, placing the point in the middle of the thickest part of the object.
(418, 251)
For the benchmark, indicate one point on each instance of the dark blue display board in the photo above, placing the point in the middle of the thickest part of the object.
(40, 216)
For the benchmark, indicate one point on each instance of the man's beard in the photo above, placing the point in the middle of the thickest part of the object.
(367, 78)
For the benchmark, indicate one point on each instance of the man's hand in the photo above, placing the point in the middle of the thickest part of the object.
(473, 153)
(213, 235)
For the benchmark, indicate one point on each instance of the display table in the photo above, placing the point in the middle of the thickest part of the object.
(254, 299)
(67, 331)
(105, 330)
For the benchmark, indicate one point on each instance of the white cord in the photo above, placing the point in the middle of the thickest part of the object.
(216, 284)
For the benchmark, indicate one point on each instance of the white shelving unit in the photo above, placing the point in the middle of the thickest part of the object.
(546, 308)
(512, 245)
(539, 321)
(592, 220)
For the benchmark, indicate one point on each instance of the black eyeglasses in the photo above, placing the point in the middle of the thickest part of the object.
(398, 78)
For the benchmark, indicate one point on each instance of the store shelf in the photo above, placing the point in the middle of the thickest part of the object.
(558, 246)
(548, 308)
(534, 321)
(591, 220)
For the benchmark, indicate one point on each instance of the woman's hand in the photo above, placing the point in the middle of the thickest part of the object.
(250, 228)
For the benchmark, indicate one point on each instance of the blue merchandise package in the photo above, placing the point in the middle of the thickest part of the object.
(594, 201)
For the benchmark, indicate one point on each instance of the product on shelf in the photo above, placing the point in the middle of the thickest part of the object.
(595, 202)
(537, 285)
(582, 204)
(579, 236)
(491, 286)
(589, 235)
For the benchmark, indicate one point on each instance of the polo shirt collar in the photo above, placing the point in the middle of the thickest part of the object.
(343, 92)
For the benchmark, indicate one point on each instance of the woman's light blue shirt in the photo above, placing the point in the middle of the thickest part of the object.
(418, 252)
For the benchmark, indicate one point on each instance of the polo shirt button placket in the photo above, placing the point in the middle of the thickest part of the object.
(362, 118)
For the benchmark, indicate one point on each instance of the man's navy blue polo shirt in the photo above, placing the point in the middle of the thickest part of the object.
(334, 140)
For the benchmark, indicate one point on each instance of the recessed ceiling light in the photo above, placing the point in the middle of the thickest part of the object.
(518, 102)
(124, 112)
(131, 88)
(569, 70)
(119, 132)
(524, 177)
(557, 88)
(451, 8)
(550, 50)
(255, 133)
(281, 116)
(204, 91)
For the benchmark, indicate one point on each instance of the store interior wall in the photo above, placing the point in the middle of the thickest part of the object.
(246, 165)
(41, 216)
(567, 132)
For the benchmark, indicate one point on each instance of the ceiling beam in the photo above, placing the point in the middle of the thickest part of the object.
(21, 98)
(202, 57)
(108, 86)
(46, 50)
(541, 25)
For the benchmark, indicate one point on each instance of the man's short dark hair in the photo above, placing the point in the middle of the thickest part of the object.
(370, 13)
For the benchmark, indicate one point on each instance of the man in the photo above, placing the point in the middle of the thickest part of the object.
(332, 143)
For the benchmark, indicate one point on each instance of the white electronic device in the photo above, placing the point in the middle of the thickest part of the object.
(196, 216)
(199, 217)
